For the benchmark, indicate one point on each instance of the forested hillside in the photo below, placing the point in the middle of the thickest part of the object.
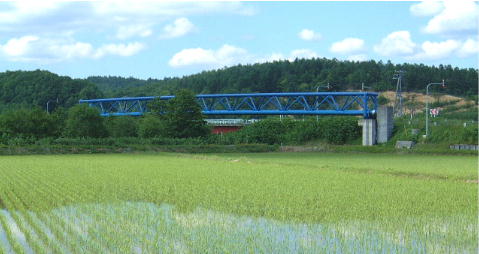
(35, 88)
(111, 84)
(299, 75)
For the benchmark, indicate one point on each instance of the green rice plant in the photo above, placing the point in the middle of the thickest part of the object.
(30, 237)
(23, 181)
(273, 203)
(11, 237)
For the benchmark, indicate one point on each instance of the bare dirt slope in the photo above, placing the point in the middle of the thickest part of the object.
(416, 101)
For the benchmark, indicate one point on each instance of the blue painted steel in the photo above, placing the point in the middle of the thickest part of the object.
(307, 103)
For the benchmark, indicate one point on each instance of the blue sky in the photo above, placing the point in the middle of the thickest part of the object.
(164, 39)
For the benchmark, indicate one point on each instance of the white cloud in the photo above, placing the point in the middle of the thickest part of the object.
(125, 32)
(169, 8)
(436, 50)
(271, 58)
(119, 49)
(396, 44)
(55, 25)
(70, 51)
(180, 27)
(293, 55)
(45, 50)
(456, 18)
(427, 8)
(224, 56)
(228, 55)
(18, 46)
(400, 44)
(309, 35)
(348, 46)
(469, 47)
(53, 17)
(303, 53)
(358, 58)
(21, 10)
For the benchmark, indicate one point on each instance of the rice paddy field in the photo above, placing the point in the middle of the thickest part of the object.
(239, 203)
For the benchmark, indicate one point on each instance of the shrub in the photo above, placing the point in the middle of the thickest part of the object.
(123, 126)
(339, 130)
(151, 126)
(84, 121)
(34, 123)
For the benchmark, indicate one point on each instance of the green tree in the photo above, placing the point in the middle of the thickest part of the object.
(36, 88)
(286, 76)
(84, 121)
(34, 123)
(181, 116)
(122, 126)
(151, 126)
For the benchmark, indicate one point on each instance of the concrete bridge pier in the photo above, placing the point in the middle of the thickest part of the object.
(369, 131)
(378, 130)
(385, 124)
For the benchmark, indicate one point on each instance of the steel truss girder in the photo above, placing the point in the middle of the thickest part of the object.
(307, 103)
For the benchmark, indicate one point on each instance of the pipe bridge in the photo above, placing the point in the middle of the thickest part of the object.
(303, 103)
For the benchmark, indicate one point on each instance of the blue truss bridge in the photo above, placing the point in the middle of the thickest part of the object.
(302, 103)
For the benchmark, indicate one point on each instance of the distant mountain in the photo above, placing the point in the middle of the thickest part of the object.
(36, 88)
(299, 75)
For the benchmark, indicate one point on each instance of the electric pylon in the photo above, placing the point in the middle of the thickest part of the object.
(398, 103)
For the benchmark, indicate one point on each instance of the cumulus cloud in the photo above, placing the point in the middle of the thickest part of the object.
(18, 46)
(169, 8)
(128, 31)
(180, 27)
(309, 35)
(55, 25)
(348, 46)
(35, 49)
(396, 44)
(427, 8)
(358, 58)
(293, 55)
(224, 56)
(228, 55)
(61, 52)
(469, 47)
(400, 44)
(57, 16)
(436, 50)
(450, 17)
(444, 49)
(271, 58)
(303, 54)
(119, 49)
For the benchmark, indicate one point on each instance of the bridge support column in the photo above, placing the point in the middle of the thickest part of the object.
(385, 123)
(369, 131)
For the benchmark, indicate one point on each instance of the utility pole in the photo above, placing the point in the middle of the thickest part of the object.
(427, 104)
(363, 86)
(48, 103)
(398, 105)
